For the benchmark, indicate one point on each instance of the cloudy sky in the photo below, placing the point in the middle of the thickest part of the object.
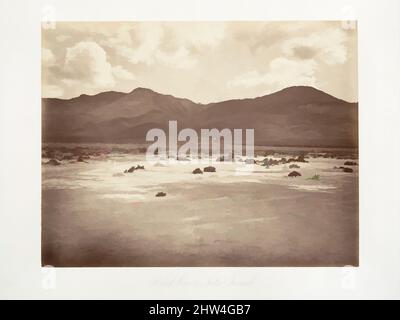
(201, 61)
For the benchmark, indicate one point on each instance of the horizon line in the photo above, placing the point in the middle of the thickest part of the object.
(201, 103)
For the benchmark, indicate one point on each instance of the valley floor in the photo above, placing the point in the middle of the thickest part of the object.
(93, 215)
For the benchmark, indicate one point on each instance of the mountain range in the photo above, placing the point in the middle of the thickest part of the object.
(295, 116)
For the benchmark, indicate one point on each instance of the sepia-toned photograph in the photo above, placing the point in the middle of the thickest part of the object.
(200, 144)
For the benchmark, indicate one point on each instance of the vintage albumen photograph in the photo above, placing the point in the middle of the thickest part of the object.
(200, 144)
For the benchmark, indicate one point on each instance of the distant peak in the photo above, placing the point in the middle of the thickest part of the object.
(142, 89)
(301, 88)
(307, 92)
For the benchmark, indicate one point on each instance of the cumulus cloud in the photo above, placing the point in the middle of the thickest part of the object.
(148, 50)
(180, 58)
(52, 91)
(86, 62)
(238, 59)
(121, 73)
(169, 45)
(303, 52)
(62, 38)
(149, 40)
(301, 56)
(282, 73)
(328, 45)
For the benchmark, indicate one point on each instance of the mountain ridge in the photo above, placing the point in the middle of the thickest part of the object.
(293, 116)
